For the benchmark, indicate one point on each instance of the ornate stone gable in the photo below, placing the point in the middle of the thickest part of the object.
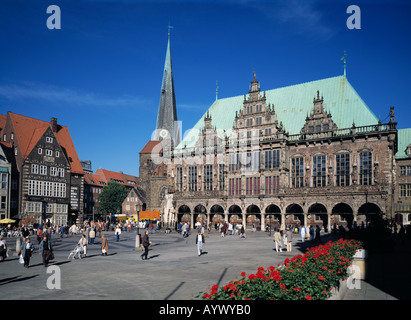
(319, 121)
(258, 118)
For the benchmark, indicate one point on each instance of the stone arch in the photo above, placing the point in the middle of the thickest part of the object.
(318, 215)
(369, 212)
(184, 213)
(342, 214)
(273, 216)
(253, 216)
(294, 215)
(200, 212)
(216, 213)
(235, 214)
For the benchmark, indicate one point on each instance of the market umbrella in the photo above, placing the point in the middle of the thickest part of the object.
(7, 220)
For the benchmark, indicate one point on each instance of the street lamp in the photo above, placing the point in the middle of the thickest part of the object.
(138, 243)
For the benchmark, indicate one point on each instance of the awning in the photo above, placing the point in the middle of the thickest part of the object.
(149, 215)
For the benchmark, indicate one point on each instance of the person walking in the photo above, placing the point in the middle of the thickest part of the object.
(146, 243)
(104, 245)
(278, 241)
(303, 231)
(92, 235)
(117, 233)
(83, 244)
(3, 249)
(46, 250)
(317, 235)
(289, 240)
(26, 250)
(199, 242)
(312, 232)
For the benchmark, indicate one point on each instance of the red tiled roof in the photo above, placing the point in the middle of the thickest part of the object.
(28, 131)
(93, 179)
(107, 175)
(148, 148)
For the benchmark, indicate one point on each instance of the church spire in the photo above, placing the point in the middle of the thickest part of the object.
(167, 110)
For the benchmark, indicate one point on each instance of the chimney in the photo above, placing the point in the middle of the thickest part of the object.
(53, 124)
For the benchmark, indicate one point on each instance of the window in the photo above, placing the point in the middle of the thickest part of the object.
(234, 187)
(57, 154)
(365, 168)
(34, 207)
(40, 151)
(259, 120)
(319, 171)
(53, 171)
(343, 169)
(208, 177)
(61, 172)
(179, 178)
(252, 161)
(62, 208)
(3, 202)
(49, 208)
(234, 162)
(405, 170)
(221, 177)
(35, 168)
(47, 189)
(405, 190)
(249, 122)
(3, 184)
(272, 159)
(192, 178)
(49, 139)
(272, 185)
(43, 170)
(256, 185)
(297, 172)
(49, 152)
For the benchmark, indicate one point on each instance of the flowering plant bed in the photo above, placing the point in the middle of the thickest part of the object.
(304, 277)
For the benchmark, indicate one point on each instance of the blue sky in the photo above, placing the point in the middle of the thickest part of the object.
(100, 74)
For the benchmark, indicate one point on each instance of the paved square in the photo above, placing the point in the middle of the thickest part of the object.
(173, 271)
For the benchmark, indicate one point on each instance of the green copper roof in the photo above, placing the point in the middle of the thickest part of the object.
(292, 104)
(404, 139)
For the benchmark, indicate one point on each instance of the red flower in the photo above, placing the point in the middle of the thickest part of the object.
(243, 274)
(206, 296)
(320, 278)
(297, 289)
(308, 297)
(214, 289)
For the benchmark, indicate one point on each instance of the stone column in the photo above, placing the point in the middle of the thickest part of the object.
(262, 222)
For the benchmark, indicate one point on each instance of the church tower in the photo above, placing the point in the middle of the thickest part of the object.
(167, 125)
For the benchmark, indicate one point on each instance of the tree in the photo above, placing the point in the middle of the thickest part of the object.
(111, 198)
